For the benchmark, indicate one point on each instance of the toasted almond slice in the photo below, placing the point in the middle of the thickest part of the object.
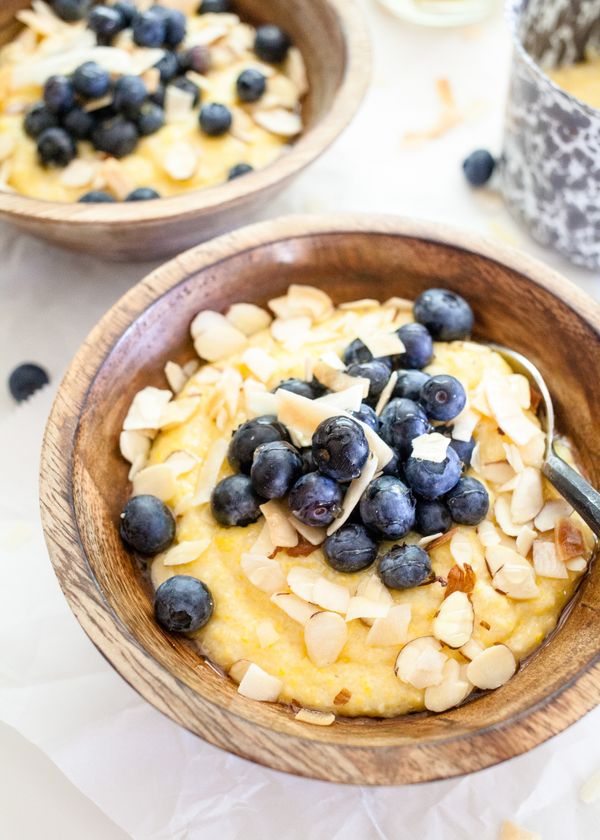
(461, 548)
(510, 831)
(134, 446)
(362, 607)
(453, 624)
(256, 684)
(503, 516)
(528, 496)
(472, 649)
(331, 596)
(181, 462)
(302, 582)
(325, 634)
(392, 630)
(420, 663)
(546, 561)
(452, 690)
(279, 121)
(282, 533)
(314, 717)
(551, 513)
(295, 607)
(259, 363)
(177, 412)
(248, 318)
(590, 790)
(354, 493)
(158, 480)
(185, 552)
(315, 536)
(219, 342)
(460, 579)
(430, 447)
(175, 377)
(488, 534)
(525, 539)
(266, 633)
(238, 670)
(492, 668)
(209, 471)
(146, 409)
(516, 578)
(578, 564)
(264, 573)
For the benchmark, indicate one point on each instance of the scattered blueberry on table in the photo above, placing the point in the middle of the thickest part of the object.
(25, 380)
(479, 167)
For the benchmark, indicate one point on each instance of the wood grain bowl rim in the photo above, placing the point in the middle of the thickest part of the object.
(219, 723)
(310, 145)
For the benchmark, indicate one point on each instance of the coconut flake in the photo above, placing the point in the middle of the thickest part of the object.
(506, 410)
(279, 121)
(248, 318)
(354, 493)
(259, 401)
(175, 377)
(146, 409)
(259, 363)
(263, 572)
(208, 474)
(157, 480)
(392, 630)
(337, 380)
(488, 533)
(291, 332)
(464, 425)
(181, 462)
(361, 607)
(180, 160)
(387, 392)
(520, 388)
(134, 446)
(382, 344)
(177, 412)
(461, 548)
(296, 608)
(349, 400)
(546, 561)
(528, 496)
(430, 447)
(503, 516)
(219, 342)
(281, 532)
(185, 552)
(315, 536)
(550, 514)
(525, 539)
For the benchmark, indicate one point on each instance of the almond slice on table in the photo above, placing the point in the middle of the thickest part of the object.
(492, 668)
(528, 496)
(266, 633)
(281, 531)
(248, 318)
(568, 539)
(325, 634)
(157, 480)
(146, 409)
(314, 717)
(219, 342)
(551, 513)
(263, 572)
(453, 625)
(186, 552)
(294, 607)
(546, 561)
(256, 684)
(392, 630)
(452, 690)
(420, 663)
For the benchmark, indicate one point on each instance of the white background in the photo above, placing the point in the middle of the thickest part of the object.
(75, 734)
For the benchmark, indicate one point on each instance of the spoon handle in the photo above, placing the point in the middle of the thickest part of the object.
(575, 489)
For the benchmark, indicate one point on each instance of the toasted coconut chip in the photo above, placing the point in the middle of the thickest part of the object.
(208, 474)
(516, 578)
(348, 400)
(295, 607)
(453, 624)
(331, 596)
(146, 409)
(256, 684)
(507, 411)
(488, 534)
(528, 496)
(296, 70)
(510, 831)
(551, 513)
(303, 549)
(185, 552)
(492, 668)
(219, 342)
(460, 579)
(302, 582)
(464, 425)
(259, 363)
(279, 121)
(383, 344)
(248, 318)
(392, 630)
(363, 303)
(421, 662)
(354, 493)
(568, 540)
(362, 607)
(264, 573)
(281, 531)
(205, 320)
(134, 446)
(546, 561)
(314, 717)
(472, 649)
(578, 564)
(78, 173)
(177, 412)
(315, 536)
(266, 633)
(503, 516)
(337, 380)
(176, 377)
(181, 462)
(325, 634)
(180, 160)
(452, 690)
(158, 480)
(342, 697)
(430, 447)
(525, 539)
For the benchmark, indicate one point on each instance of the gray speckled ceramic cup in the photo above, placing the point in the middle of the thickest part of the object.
(550, 171)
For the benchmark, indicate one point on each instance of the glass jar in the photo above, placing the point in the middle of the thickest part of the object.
(440, 12)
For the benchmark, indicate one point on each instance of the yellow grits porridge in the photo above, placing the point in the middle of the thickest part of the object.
(431, 615)
(581, 80)
(154, 125)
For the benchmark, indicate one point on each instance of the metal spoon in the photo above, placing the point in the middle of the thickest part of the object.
(569, 483)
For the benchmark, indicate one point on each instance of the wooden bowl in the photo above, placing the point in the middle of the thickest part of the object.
(517, 301)
(332, 37)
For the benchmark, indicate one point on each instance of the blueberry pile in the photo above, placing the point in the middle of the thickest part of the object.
(61, 121)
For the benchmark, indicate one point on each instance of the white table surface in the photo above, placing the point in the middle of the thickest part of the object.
(81, 755)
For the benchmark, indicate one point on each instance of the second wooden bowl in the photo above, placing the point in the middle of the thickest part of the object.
(517, 302)
(332, 37)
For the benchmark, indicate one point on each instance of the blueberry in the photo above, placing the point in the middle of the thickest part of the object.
(106, 22)
(129, 95)
(430, 479)
(271, 44)
(308, 462)
(394, 466)
(117, 137)
(183, 604)
(357, 352)
(188, 86)
(251, 435)
(316, 500)
(298, 386)
(367, 416)
(404, 567)
(38, 119)
(143, 194)
(250, 85)
(70, 10)
(479, 167)
(150, 119)
(402, 421)
(215, 119)
(463, 448)
(127, 10)
(433, 517)
(447, 316)
(91, 81)
(468, 501)
(238, 170)
(388, 507)
(275, 468)
(378, 374)
(150, 28)
(168, 67)
(234, 502)
(59, 94)
(418, 346)
(214, 7)
(340, 448)
(409, 384)
(78, 123)
(195, 58)
(350, 549)
(176, 27)
(158, 97)
(55, 147)
(26, 379)
(97, 197)
(443, 397)
(147, 525)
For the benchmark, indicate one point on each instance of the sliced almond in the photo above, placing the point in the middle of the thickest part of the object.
(258, 400)
(461, 548)
(181, 462)
(79, 173)
(452, 690)
(502, 512)
(238, 670)
(507, 411)
(546, 561)
(296, 70)
(430, 538)
(248, 318)
(219, 342)
(259, 363)
(568, 539)
(177, 412)
(157, 480)
(331, 596)
(528, 496)
(256, 684)
(204, 320)
(453, 624)
(516, 578)
(325, 634)
(315, 536)
(178, 104)
(295, 607)
(362, 607)
(134, 446)
(431, 447)
(146, 409)
(281, 531)
(309, 300)
(279, 121)
(488, 534)
(314, 717)
(420, 663)
(372, 588)
(551, 513)
(262, 544)
(180, 160)
(302, 582)
(525, 539)
(492, 668)
(291, 331)
(266, 633)
(354, 493)
(175, 377)
(263, 572)
(472, 649)
(392, 630)
(208, 474)
(578, 564)
(186, 552)
(514, 457)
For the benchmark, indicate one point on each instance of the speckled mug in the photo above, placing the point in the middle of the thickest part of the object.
(550, 171)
